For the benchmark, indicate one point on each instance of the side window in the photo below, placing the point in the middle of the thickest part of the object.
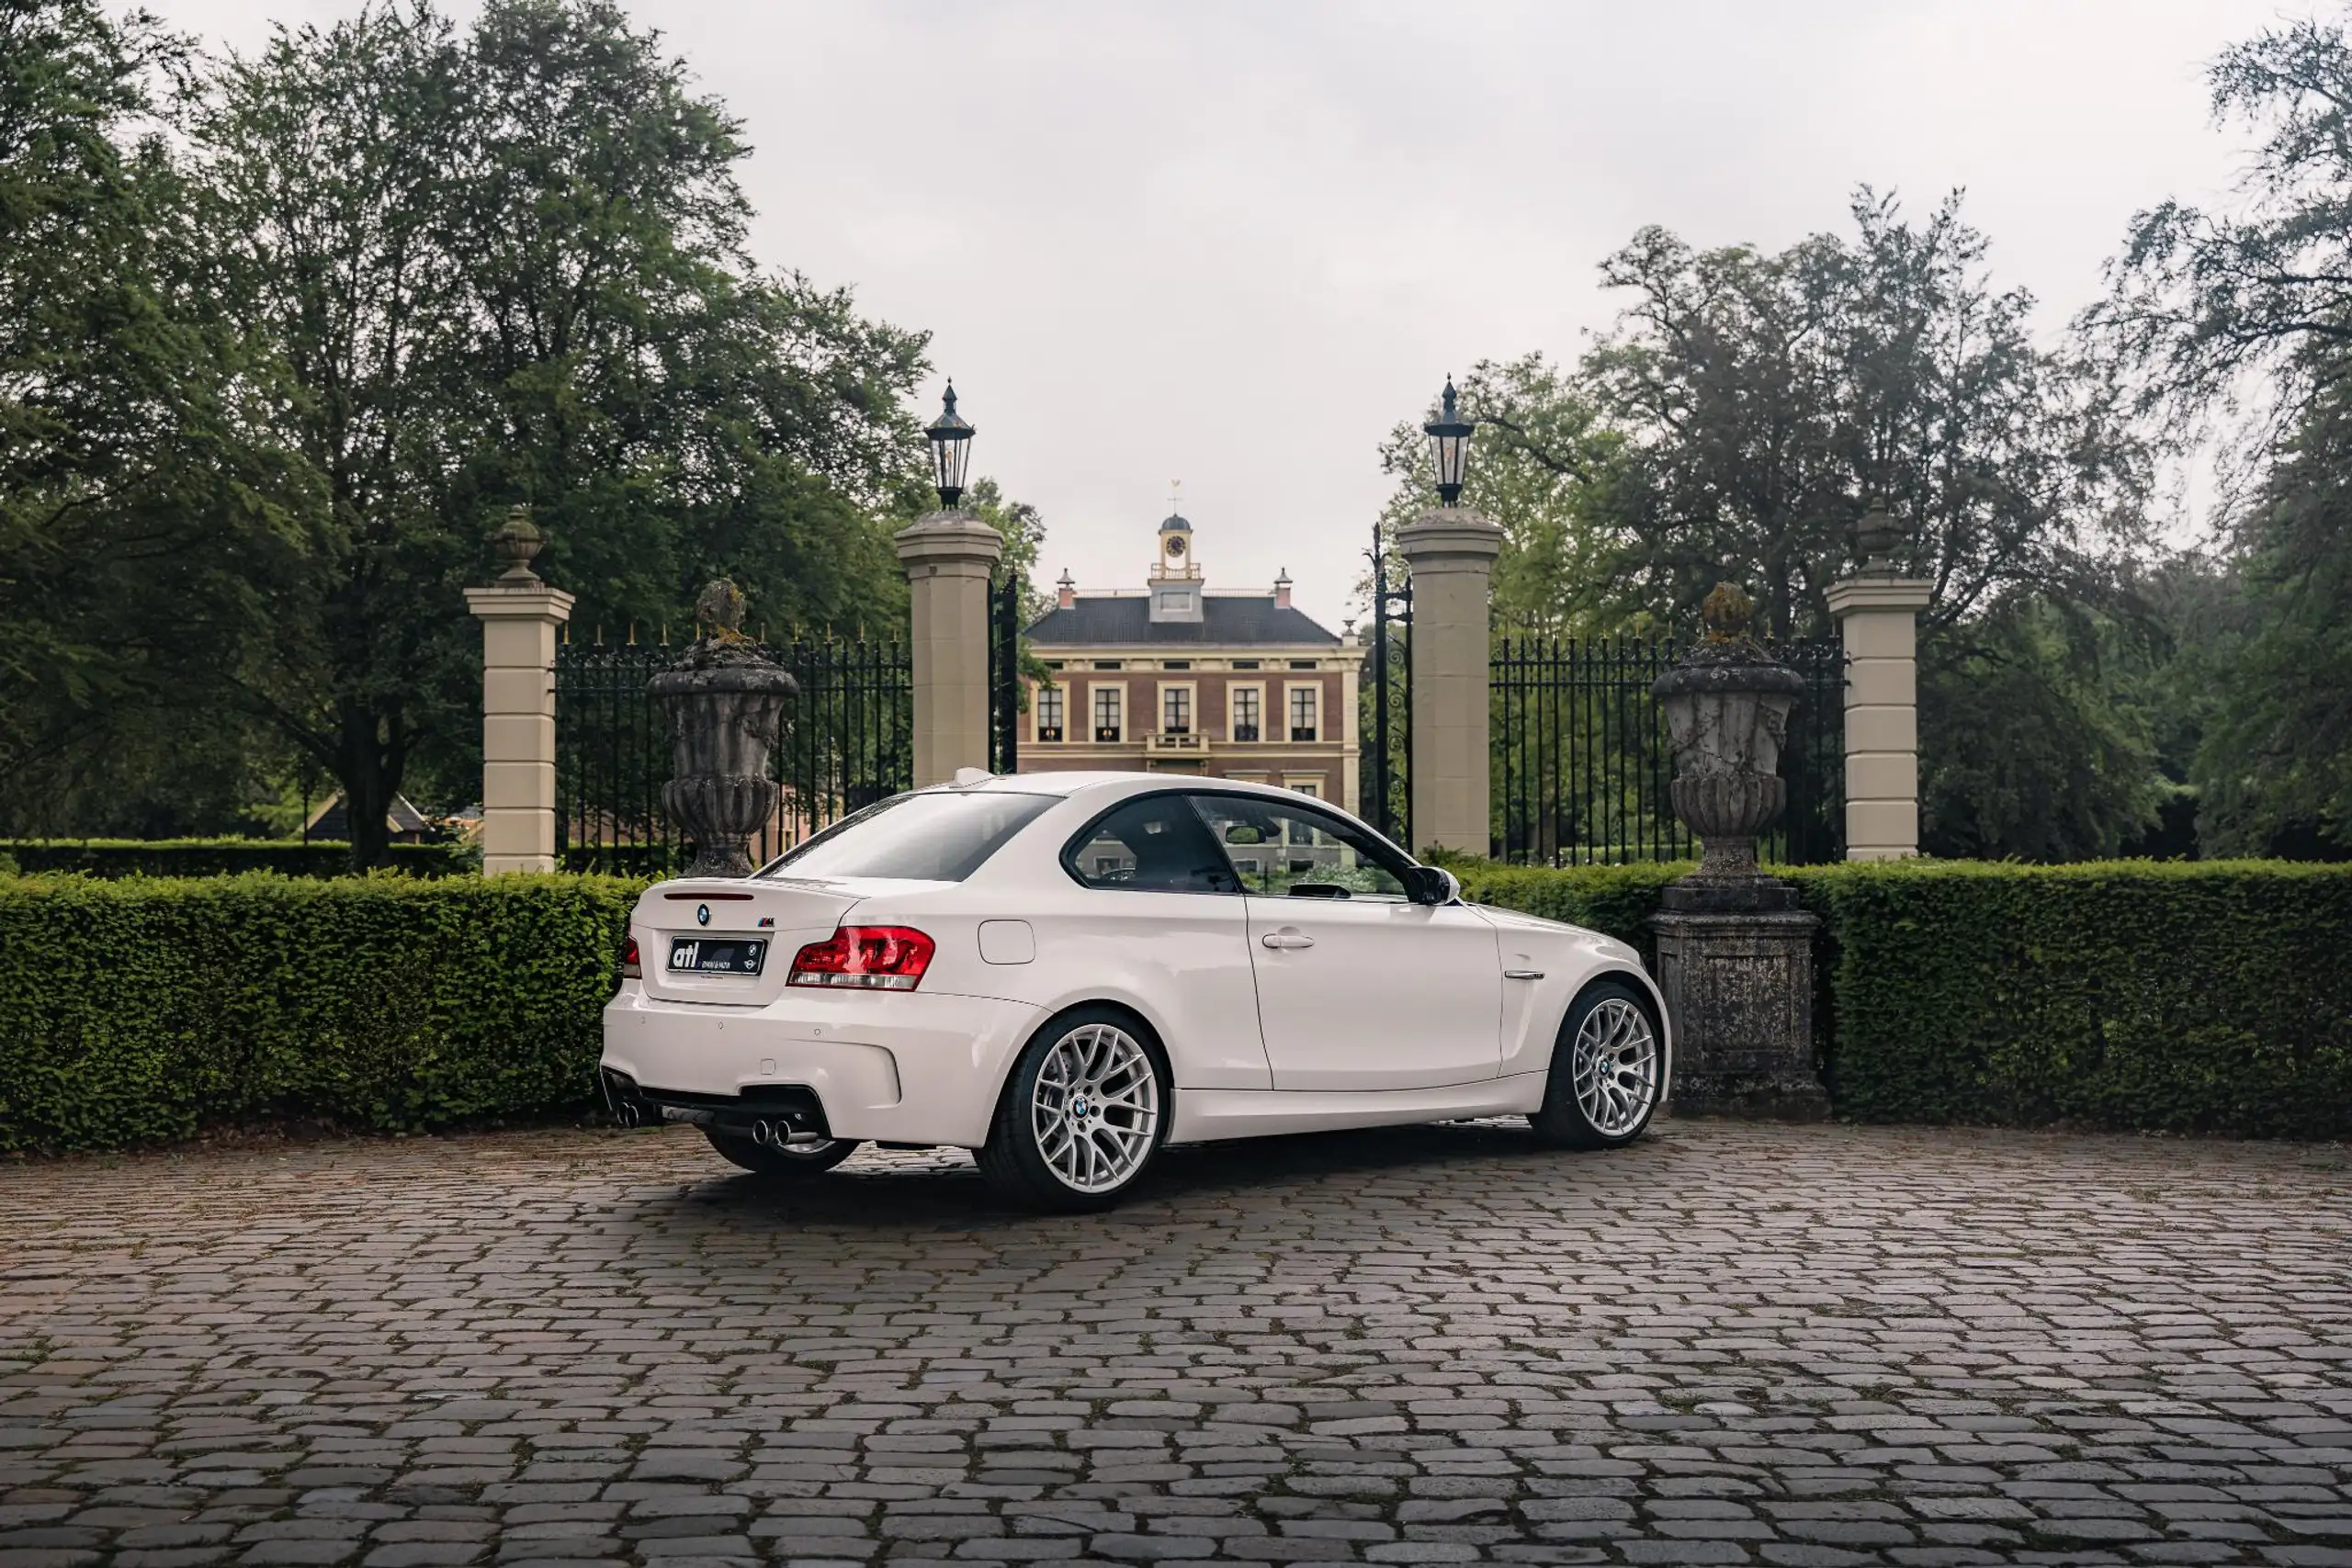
(1296, 852)
(1154, 843)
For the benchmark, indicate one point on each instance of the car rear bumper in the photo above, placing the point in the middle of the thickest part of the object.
(903, 1068)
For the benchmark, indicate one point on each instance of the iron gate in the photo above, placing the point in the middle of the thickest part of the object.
(848, 741)
(1582, 772)
(1005, 691)
(1385, 754)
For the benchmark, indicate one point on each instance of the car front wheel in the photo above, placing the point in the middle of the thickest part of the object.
(1082, 1115)
(1608, 1071)
(792, 1160)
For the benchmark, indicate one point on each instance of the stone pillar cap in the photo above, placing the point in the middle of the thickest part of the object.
(948, 536)
(511, 599)
(1879, 591)
(1450, 531)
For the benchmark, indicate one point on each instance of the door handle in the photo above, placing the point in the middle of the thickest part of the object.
(1287, 939)
(1522, 974)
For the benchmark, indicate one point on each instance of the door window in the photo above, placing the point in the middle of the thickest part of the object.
(1154, 843)
(1298, 852)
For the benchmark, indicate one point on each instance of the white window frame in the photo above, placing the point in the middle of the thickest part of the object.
(1232, 710)
(1192, 690)
(1037, 711)
(1093, 728)
(1290, 696)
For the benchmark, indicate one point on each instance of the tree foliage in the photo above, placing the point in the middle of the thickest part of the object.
(2275, 769)
(142, 530)
(2205, 306)
(1771, 397)
(283, 334)
(1735, 424)
(2248, 311)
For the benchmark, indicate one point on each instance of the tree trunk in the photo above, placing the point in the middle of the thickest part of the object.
(369, 757)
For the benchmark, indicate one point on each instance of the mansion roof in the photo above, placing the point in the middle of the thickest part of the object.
(1240, 620)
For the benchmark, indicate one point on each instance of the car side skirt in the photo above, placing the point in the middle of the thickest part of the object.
(1208, 1115)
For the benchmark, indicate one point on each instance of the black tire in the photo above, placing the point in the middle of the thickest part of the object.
(762, 1160)
(1014, 1161)
(1565, 1120)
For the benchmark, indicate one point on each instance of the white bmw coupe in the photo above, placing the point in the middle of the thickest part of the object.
(1064, 972)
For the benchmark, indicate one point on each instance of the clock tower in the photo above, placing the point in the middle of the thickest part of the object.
(1176, 576)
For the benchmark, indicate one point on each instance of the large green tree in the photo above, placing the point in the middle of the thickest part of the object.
(142, 532)
(1735, 425)
(2274, 769)
(2239, 323)
(502, 264)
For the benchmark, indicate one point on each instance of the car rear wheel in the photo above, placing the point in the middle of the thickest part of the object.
(1082, 1115)
(794, 1160)
(1608, 1070)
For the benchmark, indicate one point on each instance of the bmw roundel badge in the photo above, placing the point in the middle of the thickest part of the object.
(702, 914)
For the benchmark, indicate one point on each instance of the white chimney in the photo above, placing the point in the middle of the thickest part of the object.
(1281, 590)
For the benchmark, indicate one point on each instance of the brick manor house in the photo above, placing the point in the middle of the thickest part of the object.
(1180, 679)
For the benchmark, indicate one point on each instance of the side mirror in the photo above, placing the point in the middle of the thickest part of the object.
(1431, 885)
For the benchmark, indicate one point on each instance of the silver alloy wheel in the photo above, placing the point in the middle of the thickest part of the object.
(1095, 1112)
(1615, 1069)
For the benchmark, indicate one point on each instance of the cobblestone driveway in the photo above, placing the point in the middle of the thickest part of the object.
(1729, 1344)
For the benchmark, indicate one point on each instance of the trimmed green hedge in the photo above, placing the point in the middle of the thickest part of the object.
(144, 1010)
(2167, 996)
(2176, 996)
(2164, 995)
(219, 857)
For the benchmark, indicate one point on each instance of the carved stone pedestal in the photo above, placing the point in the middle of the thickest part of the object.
(1735, 953)
(1739, 986)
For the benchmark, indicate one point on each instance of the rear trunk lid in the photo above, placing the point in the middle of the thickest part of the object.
(692, 935)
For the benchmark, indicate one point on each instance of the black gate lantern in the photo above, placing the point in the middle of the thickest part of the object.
(951, 446)
(1449, 436)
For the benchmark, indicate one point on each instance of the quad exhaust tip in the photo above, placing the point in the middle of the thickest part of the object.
(780, 1136)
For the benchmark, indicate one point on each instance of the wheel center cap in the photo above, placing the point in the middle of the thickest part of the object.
(1077, 1107)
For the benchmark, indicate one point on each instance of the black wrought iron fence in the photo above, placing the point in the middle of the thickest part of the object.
(1582, 770)
(848, 741)
(1004, 673)
(1385, 723)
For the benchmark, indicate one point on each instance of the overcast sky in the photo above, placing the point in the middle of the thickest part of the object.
(1233, 244)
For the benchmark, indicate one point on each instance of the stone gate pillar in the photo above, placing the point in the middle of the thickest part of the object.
(519, 614)
(1452, 551)
(1878, 620)
(948, 558)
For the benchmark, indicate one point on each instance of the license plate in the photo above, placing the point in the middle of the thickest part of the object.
(706, 955)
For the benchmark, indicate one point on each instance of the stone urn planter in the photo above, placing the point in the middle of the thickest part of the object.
(1734, 954)
(1727, 706)
(725, 702)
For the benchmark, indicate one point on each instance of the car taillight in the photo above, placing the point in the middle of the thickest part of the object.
(631, 969)
(870, 958)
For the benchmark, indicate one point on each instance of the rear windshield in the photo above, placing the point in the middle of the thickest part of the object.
(918, 838)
